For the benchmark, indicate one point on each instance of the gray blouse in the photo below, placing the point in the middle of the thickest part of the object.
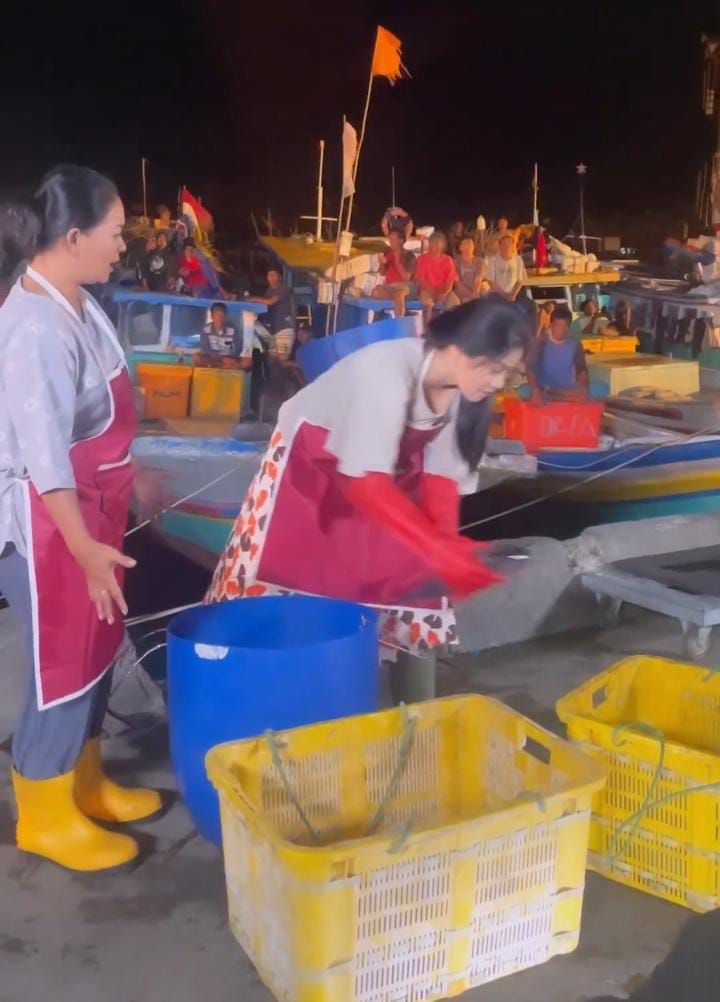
(53, 393)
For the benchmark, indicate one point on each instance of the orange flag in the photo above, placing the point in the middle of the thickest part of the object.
(387, 60)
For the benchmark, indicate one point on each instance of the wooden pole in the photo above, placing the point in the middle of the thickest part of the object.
(359, 145)
(318, 227)
(332, 307)
(143, 174)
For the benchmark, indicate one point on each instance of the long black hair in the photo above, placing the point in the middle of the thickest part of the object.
(490, 327)
(69, 197)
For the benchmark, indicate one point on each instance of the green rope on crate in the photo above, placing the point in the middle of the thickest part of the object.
(409, 728)
(404, 833)
(635, 819)
(275, 747)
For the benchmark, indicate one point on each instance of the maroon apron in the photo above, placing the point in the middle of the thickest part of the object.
(318, 542)
(72, 647)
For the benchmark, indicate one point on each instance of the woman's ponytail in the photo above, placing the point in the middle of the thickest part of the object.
(20, 229)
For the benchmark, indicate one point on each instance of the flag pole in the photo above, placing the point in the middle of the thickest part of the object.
(360, 140)
(536, 216)
(318, 228)
(332, 306)
(143, 174)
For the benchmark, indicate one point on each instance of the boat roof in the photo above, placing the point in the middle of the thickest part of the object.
(318, 256)
(167, 299)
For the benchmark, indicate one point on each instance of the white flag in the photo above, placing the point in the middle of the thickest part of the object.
(349, 151)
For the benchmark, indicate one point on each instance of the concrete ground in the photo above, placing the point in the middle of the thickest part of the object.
(160, 934)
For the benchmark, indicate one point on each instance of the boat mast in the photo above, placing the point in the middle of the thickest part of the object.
(709, 187)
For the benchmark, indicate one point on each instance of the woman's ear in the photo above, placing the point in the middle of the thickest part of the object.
(72, 239)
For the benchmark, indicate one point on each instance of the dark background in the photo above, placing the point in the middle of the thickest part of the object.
(231, 100)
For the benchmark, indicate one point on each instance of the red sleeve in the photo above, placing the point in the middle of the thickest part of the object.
(451, 274)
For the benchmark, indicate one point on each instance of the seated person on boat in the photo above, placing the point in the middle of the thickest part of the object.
(435, 276)
(221, 345)
(590, 323)
(470, 271)
(556, 365)
(397, 267)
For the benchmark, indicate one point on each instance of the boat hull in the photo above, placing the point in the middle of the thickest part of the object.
(199, 526)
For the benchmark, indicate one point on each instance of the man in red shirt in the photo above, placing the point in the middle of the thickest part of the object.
(397, 268)
(435, 275)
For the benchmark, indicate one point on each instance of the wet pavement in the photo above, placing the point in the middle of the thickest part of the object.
(160, 933)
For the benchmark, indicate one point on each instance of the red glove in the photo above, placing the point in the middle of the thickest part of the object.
(453, 558)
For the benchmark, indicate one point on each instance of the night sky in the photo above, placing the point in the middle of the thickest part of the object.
(232, 103)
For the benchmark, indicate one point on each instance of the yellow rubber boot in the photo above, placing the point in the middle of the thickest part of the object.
(101, 798)
(50, 824)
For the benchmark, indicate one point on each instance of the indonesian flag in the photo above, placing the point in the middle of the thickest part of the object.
(198, 216)
(387, 59)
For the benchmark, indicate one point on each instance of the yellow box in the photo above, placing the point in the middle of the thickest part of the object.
(655, 726)
(217, 393)
(166, 388)
(618, 343)
(623, 371)
(450, 850)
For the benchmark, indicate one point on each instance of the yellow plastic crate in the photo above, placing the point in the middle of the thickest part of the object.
(655, 726)
(623, 371)
(618, 343)
(474, 870)
(217, 393)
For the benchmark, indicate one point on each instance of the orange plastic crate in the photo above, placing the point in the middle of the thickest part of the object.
(555, 425)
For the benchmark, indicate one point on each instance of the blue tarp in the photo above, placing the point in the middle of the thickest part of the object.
(320, 355)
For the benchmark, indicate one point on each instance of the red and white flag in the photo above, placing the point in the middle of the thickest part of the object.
(197, 214)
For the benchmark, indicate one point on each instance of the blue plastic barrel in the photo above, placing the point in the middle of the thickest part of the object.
(237, 668)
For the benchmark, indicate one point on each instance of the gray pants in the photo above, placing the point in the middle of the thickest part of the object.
(412, 677)
(47, 743)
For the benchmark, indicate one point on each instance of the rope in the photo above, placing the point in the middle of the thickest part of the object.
(188, 497)
(634, 820)
(135, 664)
(275, 746)
(151, 617)
(595, 476)
(409, 728)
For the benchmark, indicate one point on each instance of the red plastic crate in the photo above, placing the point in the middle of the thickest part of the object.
(553, 426)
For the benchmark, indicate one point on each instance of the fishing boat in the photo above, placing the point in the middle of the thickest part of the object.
(308, 267)
(203, 457)
(658, 454)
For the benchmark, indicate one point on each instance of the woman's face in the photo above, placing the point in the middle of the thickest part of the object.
(480, 377)
(96, 250)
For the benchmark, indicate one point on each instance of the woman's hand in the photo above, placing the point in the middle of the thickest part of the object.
(99, 561)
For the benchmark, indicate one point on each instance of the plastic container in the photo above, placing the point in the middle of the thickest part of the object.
(555, 425)
(167, 388)
(453, 841)
(237, 668)
(655, 726)
(319, 355)
(618, 343)
(623, 371)
(217, 393)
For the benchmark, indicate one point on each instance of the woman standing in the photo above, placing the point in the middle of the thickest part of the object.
(67, 420)
(358, 495)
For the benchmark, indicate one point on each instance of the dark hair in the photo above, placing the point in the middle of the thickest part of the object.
(189, 242)
(561, 312)
(489, 327)
(68, 198)
(219, 306)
